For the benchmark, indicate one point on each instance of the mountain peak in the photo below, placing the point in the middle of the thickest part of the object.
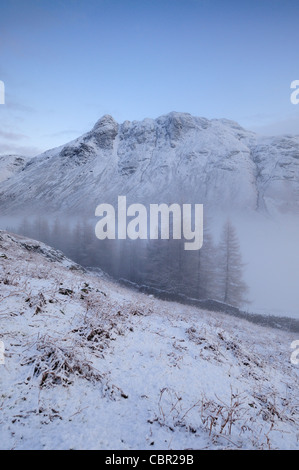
(106, 120)
(214, 161)
(105, 131)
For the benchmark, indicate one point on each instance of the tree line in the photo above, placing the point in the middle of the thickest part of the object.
(213, 272)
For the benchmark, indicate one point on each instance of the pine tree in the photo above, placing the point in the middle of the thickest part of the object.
(207, 267)
(231, 287)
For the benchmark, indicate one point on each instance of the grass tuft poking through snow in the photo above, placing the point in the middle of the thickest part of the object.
(92, 365)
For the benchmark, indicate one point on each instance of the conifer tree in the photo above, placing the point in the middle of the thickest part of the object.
(231, 287)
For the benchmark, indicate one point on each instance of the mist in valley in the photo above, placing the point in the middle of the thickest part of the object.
(266, 258)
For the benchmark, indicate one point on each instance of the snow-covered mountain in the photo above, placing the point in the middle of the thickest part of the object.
(92, 365)
(10, 165)
(175, 158)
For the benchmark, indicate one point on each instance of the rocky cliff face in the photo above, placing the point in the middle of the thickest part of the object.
(175, 158)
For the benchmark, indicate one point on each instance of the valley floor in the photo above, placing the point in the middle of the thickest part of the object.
(92, 365)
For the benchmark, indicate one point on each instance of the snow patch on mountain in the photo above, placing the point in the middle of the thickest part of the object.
(10, 165)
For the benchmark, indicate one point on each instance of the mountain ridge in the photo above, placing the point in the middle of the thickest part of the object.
(176, 157)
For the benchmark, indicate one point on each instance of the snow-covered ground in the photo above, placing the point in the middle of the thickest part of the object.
(92, 365)
(11, 165)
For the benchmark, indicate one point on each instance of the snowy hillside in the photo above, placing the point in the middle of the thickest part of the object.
(92, 365)
(174, 158)
(10, 165)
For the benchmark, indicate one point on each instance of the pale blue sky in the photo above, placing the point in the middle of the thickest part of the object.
(65, 63)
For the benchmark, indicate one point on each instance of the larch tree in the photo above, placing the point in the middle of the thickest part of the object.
(231, 287)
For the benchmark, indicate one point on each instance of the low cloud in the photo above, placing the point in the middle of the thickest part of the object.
(12, 135)
(64, 133)
(287, 126)
(13, 149)
(13, 105)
